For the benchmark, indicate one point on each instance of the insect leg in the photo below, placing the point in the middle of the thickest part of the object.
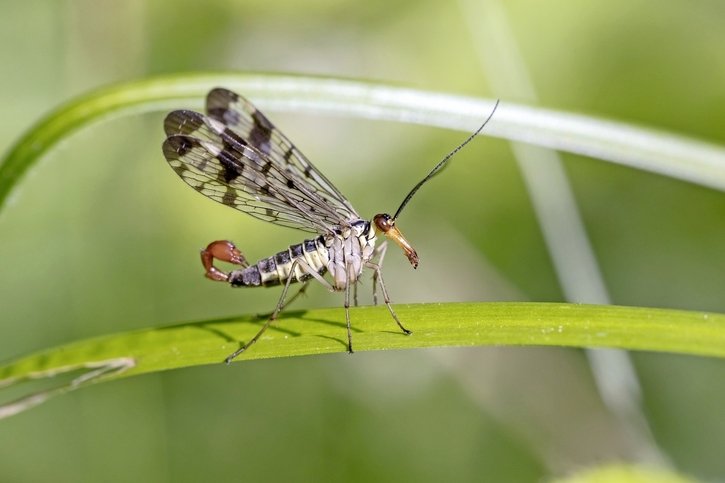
(225, 251)
(281, 304)
(379, 251)
(277, 309)
(354, 294)
(309, 270)
(347, 308)
(301, 291)
(379, 276)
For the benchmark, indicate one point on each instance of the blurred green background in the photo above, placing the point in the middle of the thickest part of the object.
(102, 237)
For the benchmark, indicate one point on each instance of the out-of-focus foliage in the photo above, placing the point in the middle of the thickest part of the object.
(102, 237)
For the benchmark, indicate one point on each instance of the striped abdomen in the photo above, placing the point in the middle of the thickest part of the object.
(276, 269)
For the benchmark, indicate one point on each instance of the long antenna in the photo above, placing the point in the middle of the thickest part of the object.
(442, 163)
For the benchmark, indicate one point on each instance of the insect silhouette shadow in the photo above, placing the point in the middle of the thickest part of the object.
(212, 326)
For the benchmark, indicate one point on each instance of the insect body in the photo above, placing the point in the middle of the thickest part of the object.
(235, 156)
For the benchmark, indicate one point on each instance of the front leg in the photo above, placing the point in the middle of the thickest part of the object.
(225, 251)
(379, 253)
(386, 299)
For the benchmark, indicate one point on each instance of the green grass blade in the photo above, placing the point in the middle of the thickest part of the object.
(323, 331)
(659, 152)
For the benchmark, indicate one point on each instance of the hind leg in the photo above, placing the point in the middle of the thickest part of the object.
(281, 304)
(301, 291)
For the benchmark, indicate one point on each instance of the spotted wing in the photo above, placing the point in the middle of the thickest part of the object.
(237, 157)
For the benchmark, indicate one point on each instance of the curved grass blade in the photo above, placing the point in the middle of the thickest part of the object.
(322, 331)
(660, 152)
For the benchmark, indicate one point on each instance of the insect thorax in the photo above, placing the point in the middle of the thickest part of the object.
(351, 246)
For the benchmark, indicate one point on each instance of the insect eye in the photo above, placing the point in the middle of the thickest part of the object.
(383, 222)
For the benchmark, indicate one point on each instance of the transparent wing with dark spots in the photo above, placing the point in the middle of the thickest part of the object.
(229, 167)
(239, 114)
